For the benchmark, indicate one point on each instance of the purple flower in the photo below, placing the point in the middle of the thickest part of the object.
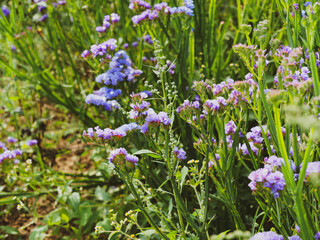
(85, 53)
(313, 168)
(230, 128)
(12, 140)
(102, 48)
(267, 236)
(164, 119)
(132, 159)
(114, 17)
(32, 142)
(62, 2)
(117, 153)
(5, 10)
(43, 17)
(307, 4)
(120, 156)
(180, 153)
(317, 236)
(295, 237)
(135, 44)
(101, 29)
(3, 146)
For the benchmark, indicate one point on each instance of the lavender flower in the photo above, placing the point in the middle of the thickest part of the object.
(102, 48)
(267, 236)
(32, 142)
(11, 140)
(120, 157)
(180, 153)
(43, 17)
(85, 53)
(5, 10)
(269, 178)
(313, 168)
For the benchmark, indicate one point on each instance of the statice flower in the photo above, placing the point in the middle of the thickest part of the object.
(154, 120)
(171, 66)
(139, 3)
(150, 14)
(11, 140)
(317, 236)
(267, 177)
(5, 10)
(244, 150)
(85, 53)
(147, 38)
(277, 162)
(230, 128)
(108, 93)
(62, 2)
(120, 158)
(295, 237)
(32, 142)
(108, 20)
(180, 153)
(43, 17)
(313, 168)
(267, 236)
(120, 70)
(103, 48)
(108, 134)
(211, 106)
(10, 154)
(3, 146)
(97, 100)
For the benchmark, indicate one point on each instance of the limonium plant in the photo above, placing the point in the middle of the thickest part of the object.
(241, 131)
(208, 120)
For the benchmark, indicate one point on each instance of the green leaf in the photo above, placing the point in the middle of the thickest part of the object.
(172, 235)
(184, 172)
(101, 194)
(147, 152)
(74, 200)
(85, 214)
(38, 233)
(54, 219)
(9, 230)
(114, 236)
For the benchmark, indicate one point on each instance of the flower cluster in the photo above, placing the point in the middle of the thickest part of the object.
(147, 117)
(102, 48)
(120, 158)
(180, 153)
(171, 67)
(10, 154)
(101, 98)
(234, 92)
(291, 72)
(5, 10)
(154, 120)
(107, 134)
(313, 168)
(139, 107)
(273, 236)
(267, 236)
(150, 14)
(107, 21)
(269, 176)
(120, 70)
(255, 140)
